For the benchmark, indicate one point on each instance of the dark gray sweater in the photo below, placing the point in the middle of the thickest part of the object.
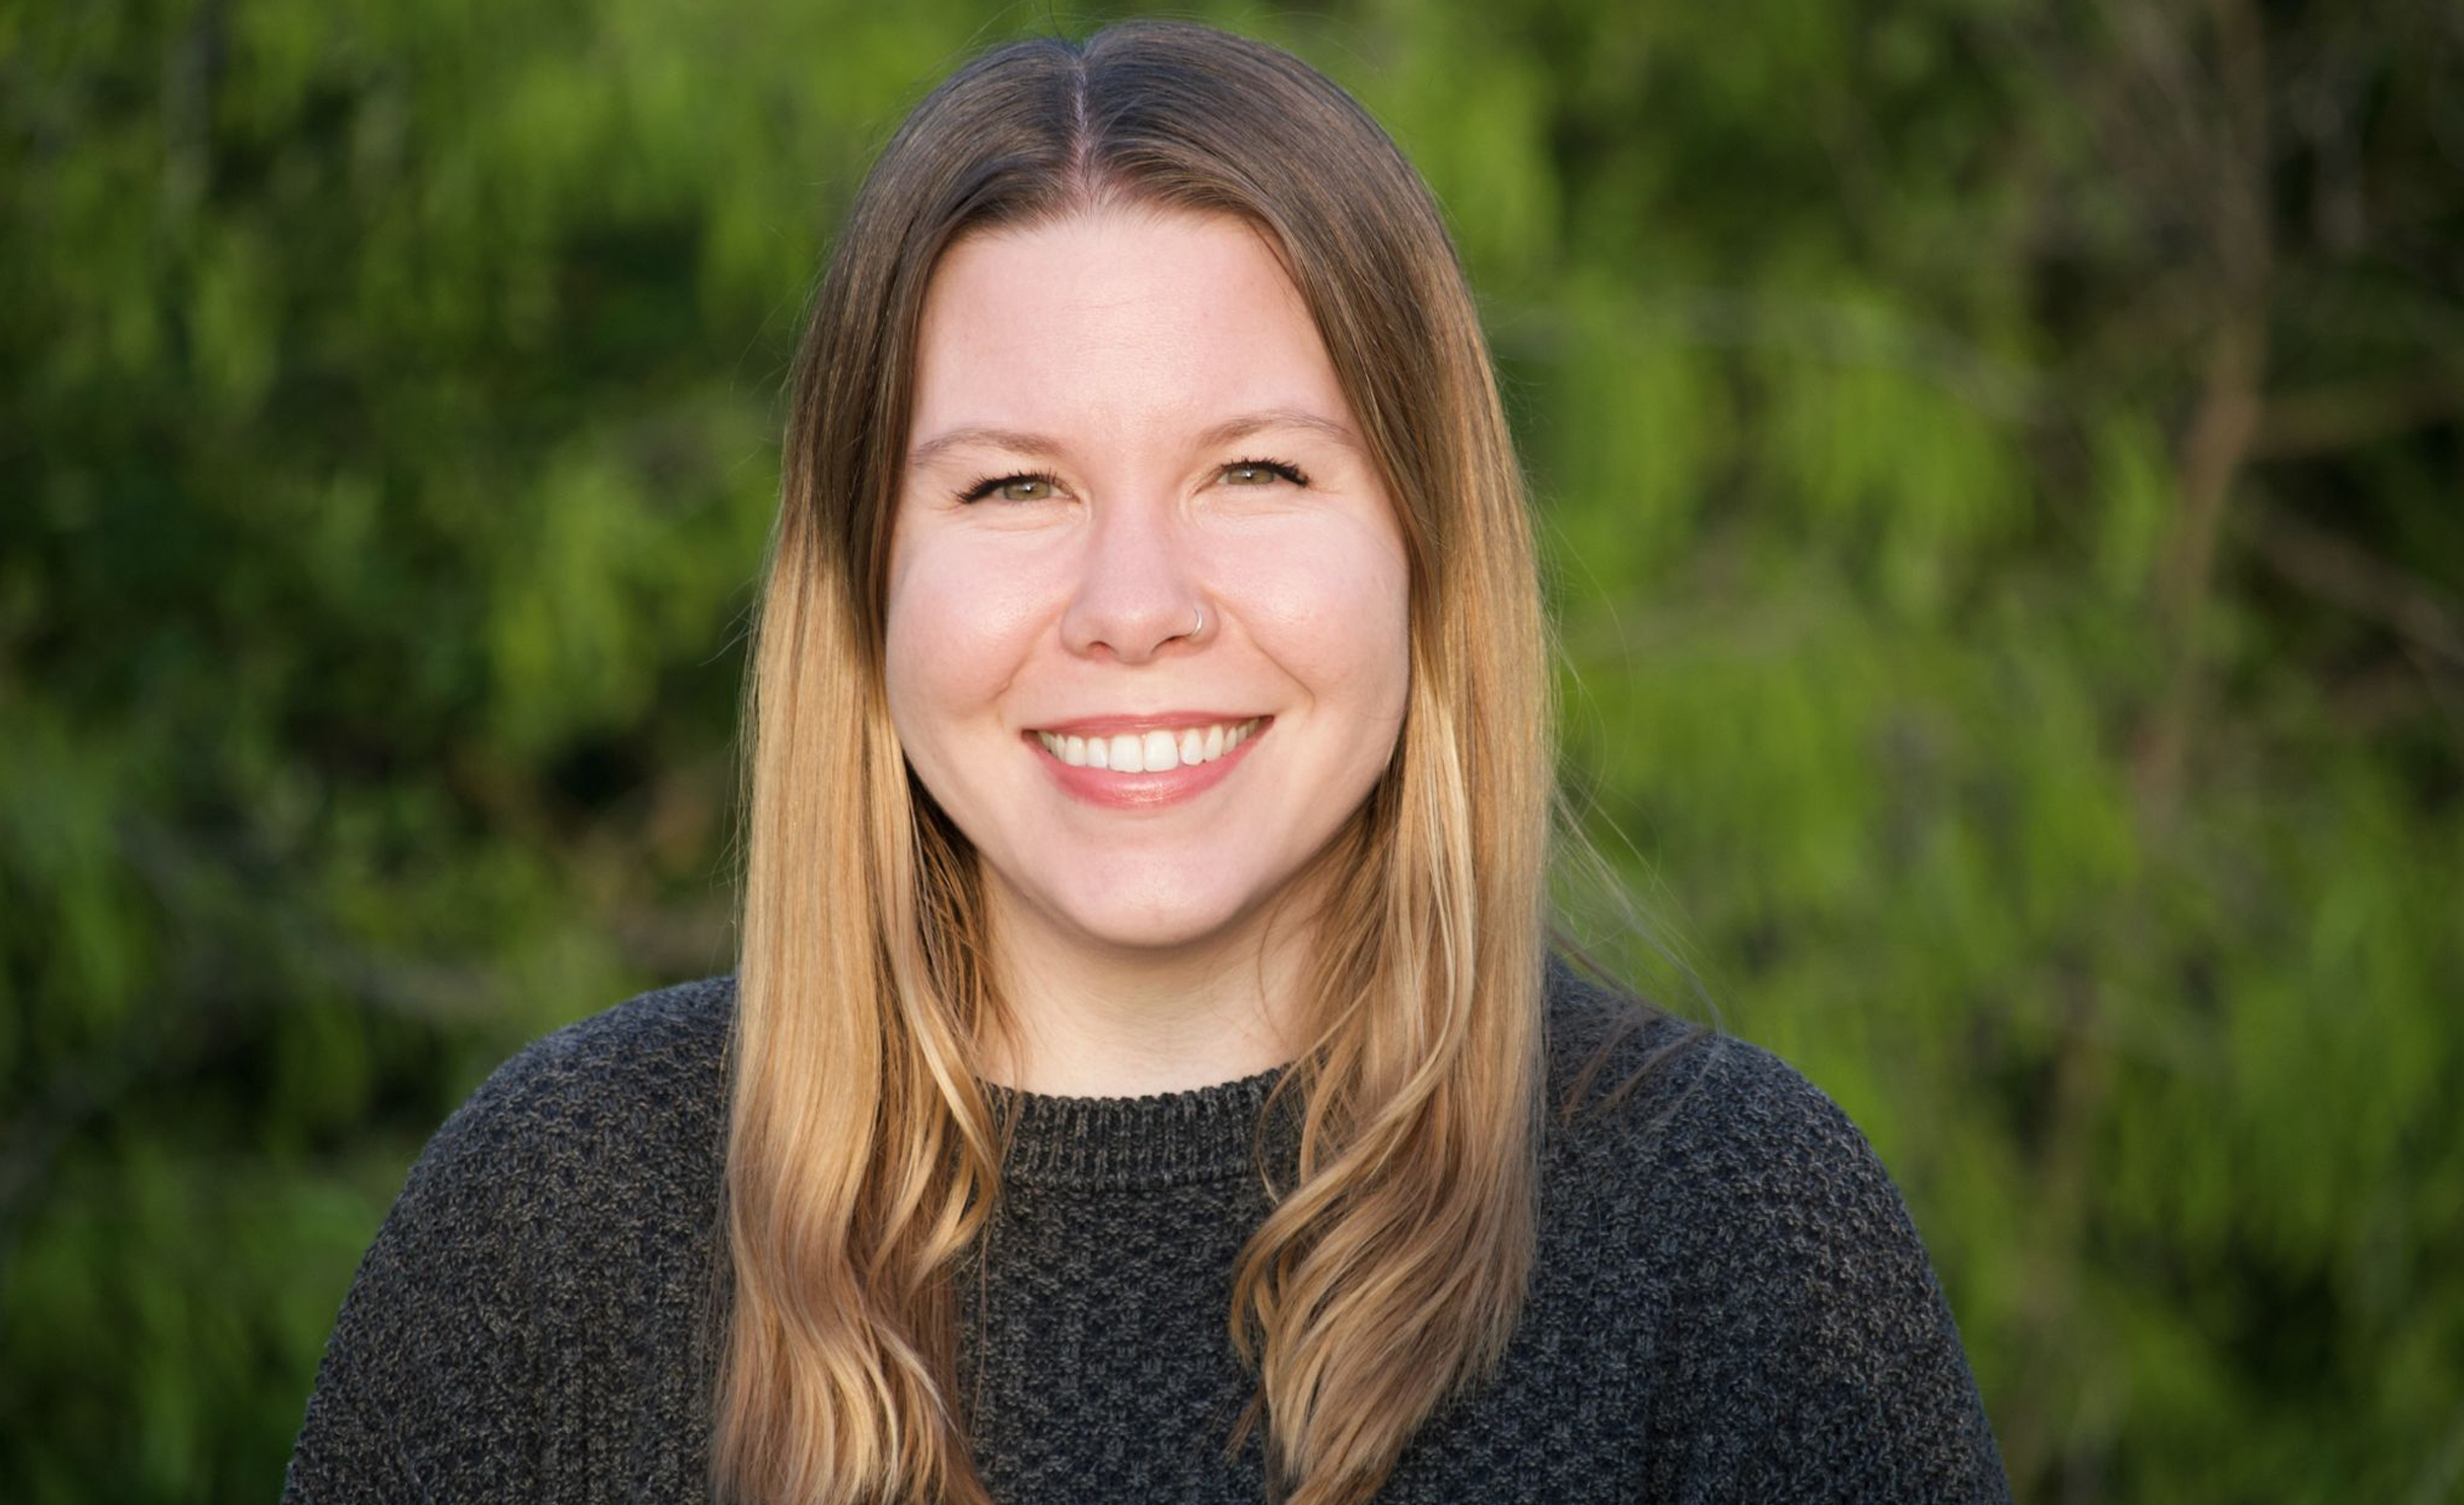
(1730, 1302)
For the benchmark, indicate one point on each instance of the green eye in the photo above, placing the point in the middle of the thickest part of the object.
(1261, 473)
(1012, 488)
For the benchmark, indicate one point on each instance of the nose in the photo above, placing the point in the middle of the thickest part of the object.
(1135, 594)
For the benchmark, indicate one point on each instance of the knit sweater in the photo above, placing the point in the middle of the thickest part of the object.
(1730, 1302)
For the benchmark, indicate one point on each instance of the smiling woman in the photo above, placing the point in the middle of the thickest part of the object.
(1144, 1075)
(1059, 636)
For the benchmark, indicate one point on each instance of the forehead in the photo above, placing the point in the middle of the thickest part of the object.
(1125, 320)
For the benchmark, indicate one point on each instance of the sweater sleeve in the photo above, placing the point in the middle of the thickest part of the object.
(1811, 1355)
(430, 1386)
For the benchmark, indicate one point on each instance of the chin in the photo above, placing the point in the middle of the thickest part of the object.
(1159, 926)
(1158, 919)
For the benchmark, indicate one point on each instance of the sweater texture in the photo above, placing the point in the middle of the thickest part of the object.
(1730, 1302)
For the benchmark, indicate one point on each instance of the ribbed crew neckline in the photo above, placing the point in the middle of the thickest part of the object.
(1162, 1138)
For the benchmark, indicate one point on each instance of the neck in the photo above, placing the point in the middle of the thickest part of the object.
(1091, 1020)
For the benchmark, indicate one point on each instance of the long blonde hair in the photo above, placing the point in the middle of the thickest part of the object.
(864, 1154)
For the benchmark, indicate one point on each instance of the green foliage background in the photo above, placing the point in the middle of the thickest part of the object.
(2001, 466)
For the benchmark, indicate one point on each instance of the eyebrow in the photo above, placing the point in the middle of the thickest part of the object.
(1231, 429)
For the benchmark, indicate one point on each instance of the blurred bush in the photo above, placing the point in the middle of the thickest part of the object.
(1999, 465)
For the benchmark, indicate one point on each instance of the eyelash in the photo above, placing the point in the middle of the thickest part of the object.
(991, 484)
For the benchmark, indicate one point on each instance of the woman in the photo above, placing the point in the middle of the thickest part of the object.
(1143, 1077)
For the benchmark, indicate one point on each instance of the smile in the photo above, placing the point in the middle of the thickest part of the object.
(1134, 765)
(1156, 751)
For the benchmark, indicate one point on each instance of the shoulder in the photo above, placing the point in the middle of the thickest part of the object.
(669, 1033)
(1722, 1163)
(1802, 1346)
(657, 1056)
(573, 1192)
(626, 1101)
(1697, 1115)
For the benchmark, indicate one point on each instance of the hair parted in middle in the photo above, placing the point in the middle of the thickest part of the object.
(864, 1154)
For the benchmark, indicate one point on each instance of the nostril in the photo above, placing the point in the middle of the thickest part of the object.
(1135, 632)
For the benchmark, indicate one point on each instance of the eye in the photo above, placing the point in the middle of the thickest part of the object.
(1035, 487)
(1263, 473)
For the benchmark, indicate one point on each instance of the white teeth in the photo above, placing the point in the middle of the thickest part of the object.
(1151, 752)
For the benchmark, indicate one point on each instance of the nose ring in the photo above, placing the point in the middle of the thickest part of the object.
(1202, 621)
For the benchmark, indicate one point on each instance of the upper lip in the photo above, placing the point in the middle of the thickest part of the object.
(1162, 721)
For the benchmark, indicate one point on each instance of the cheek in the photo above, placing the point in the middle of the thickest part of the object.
(1331, 606)
(956, 630)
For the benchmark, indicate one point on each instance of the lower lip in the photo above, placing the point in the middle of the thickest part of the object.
(1142, 792)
